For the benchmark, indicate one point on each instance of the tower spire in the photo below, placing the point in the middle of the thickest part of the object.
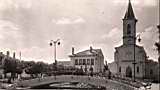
(129, 13)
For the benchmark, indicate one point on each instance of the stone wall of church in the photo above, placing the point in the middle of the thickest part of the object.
(124, 57)
(122, 69)
(126, 53)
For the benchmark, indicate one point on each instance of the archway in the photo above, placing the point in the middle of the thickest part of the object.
(129, 72)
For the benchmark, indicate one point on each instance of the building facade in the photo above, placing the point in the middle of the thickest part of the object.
(91, 58)
(129, 53)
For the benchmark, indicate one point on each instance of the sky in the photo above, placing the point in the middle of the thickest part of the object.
(27, 26)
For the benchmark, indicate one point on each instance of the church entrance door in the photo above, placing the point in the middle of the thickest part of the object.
(129, 72)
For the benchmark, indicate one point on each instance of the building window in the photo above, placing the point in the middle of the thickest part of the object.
(92, 61)
(88, 61)
(76, 62)
(151, 72)
(84, 61)
(80, 61)
(137, 69)
(128, 29)
(119, 69)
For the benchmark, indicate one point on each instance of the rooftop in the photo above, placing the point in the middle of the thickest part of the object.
(88, 52)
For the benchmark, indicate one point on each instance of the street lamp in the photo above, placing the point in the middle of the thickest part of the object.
(134, 63)
(57, 42)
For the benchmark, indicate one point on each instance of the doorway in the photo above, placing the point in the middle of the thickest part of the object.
(129, 72)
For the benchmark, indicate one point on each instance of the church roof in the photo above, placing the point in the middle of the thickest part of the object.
(129, 13)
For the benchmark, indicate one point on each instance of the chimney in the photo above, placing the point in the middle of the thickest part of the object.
(72, 50)
(14, 55)
(7, 53)
(91, 48)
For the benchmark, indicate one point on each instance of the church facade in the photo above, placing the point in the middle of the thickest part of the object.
(129, 53)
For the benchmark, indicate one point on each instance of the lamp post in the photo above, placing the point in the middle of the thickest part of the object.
(134, 63)
(56, 42)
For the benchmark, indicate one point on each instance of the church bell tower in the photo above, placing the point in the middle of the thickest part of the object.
(129, 26)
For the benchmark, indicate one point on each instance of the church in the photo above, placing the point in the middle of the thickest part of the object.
(129, 57)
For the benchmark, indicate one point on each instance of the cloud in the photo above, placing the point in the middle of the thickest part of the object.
(8, 24)
(114, 36)
(8, 28)
(27, 25)
(149, 33)
(23, 4)
(5, 4)
(122, 2)
(79, 20)
(114, 33)
(8, 4)
(149, 36)
(140, 3)
(37, 54)
(65, 20)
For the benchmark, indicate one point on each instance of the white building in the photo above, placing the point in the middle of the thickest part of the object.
(89, 58)
(128, 52)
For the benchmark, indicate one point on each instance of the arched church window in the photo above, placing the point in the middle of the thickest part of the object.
(128, 29)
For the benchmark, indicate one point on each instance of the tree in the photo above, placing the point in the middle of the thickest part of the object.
(10, 66)
(35, 69)
(6, 67)
(19, 68)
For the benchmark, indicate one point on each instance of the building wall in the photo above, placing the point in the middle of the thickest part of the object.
(98, 63)
(152, 69)
(113, 67)
(138, 72)
(124, 57)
